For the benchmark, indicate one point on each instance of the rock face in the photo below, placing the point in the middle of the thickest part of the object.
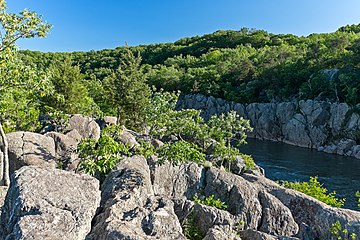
(86, 126)
(129, 208)
(313, 124)
(49, 204)
(27, 148)
(65, 147)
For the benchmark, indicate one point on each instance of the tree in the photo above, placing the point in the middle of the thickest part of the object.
(127, 90)
(71, 96)
(26, 24)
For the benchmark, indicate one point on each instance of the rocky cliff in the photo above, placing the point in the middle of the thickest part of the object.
(141, 199)
(328, 127)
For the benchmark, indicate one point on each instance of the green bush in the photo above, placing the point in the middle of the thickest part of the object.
(180, 152)
(211, 201)
(249, 161)
(314, 189)
(101, 156)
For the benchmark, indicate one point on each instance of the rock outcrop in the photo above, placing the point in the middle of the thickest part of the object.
(328, 127)
(129, 208)
(49, 204)
(27, 148)
(86, 126)
(141, 199)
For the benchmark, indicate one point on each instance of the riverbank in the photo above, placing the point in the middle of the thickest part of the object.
(290, 163)
(324, 126)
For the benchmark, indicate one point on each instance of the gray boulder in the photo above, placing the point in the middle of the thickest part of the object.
(129, 209)
(86, 126)
(128, 138)
(176, 181)
(65, 147)
(49, 204)
(27, 148)
(221, 233)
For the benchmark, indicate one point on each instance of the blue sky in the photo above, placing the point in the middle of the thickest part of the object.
(81, 25)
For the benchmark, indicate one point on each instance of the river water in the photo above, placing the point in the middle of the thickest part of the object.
(285, 162)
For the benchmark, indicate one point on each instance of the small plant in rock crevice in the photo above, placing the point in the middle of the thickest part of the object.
(340, 232)
(191, 229)
(211, 201)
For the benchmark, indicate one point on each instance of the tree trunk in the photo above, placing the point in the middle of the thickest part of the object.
(5, 163)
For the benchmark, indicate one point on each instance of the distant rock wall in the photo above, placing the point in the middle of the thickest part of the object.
(325, 126)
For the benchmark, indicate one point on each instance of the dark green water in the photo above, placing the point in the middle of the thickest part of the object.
(286, 162)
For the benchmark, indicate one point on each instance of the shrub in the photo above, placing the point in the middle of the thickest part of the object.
(101, 156)
(180, 152)
(314, 189)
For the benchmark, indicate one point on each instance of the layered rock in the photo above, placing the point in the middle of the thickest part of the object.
(313, 124)
(49, 204)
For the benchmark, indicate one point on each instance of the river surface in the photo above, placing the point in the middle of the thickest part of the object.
(285, 162)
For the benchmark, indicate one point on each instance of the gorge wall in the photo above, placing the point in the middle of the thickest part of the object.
(325, 126)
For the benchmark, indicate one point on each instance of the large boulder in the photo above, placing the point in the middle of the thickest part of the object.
(27, 148)
(86, 126)
(65, 147)
(176, 181)
(49, 204)
(129, 209)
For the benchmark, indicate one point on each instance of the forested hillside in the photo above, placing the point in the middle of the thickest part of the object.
(243, 66)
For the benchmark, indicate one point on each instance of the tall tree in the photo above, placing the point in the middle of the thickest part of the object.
(26, 24)
(127, 90)
(71, 95)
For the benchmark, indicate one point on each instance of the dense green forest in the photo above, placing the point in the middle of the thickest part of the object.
(243, 66)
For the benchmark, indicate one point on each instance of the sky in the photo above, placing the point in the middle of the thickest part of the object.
(84, 25)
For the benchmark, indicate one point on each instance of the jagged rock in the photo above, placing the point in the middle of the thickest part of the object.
(344, 145)
(275, 214)
(338, 113)
(176, 181)
(309, 124)
(49, 204)
(354, 123)
(316, 113)
(295, 132)
(330, 148)
(27, 148)
(65, 147)
(250, 234)
(129, 209)
(313, 217)
(205, 217)
(63, 142)
(74, 134)
(86, 126)
(3, 191)
(221, 233)
(285, 111)
(128, 139)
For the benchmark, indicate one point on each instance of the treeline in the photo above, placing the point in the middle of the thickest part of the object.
(243, 66)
